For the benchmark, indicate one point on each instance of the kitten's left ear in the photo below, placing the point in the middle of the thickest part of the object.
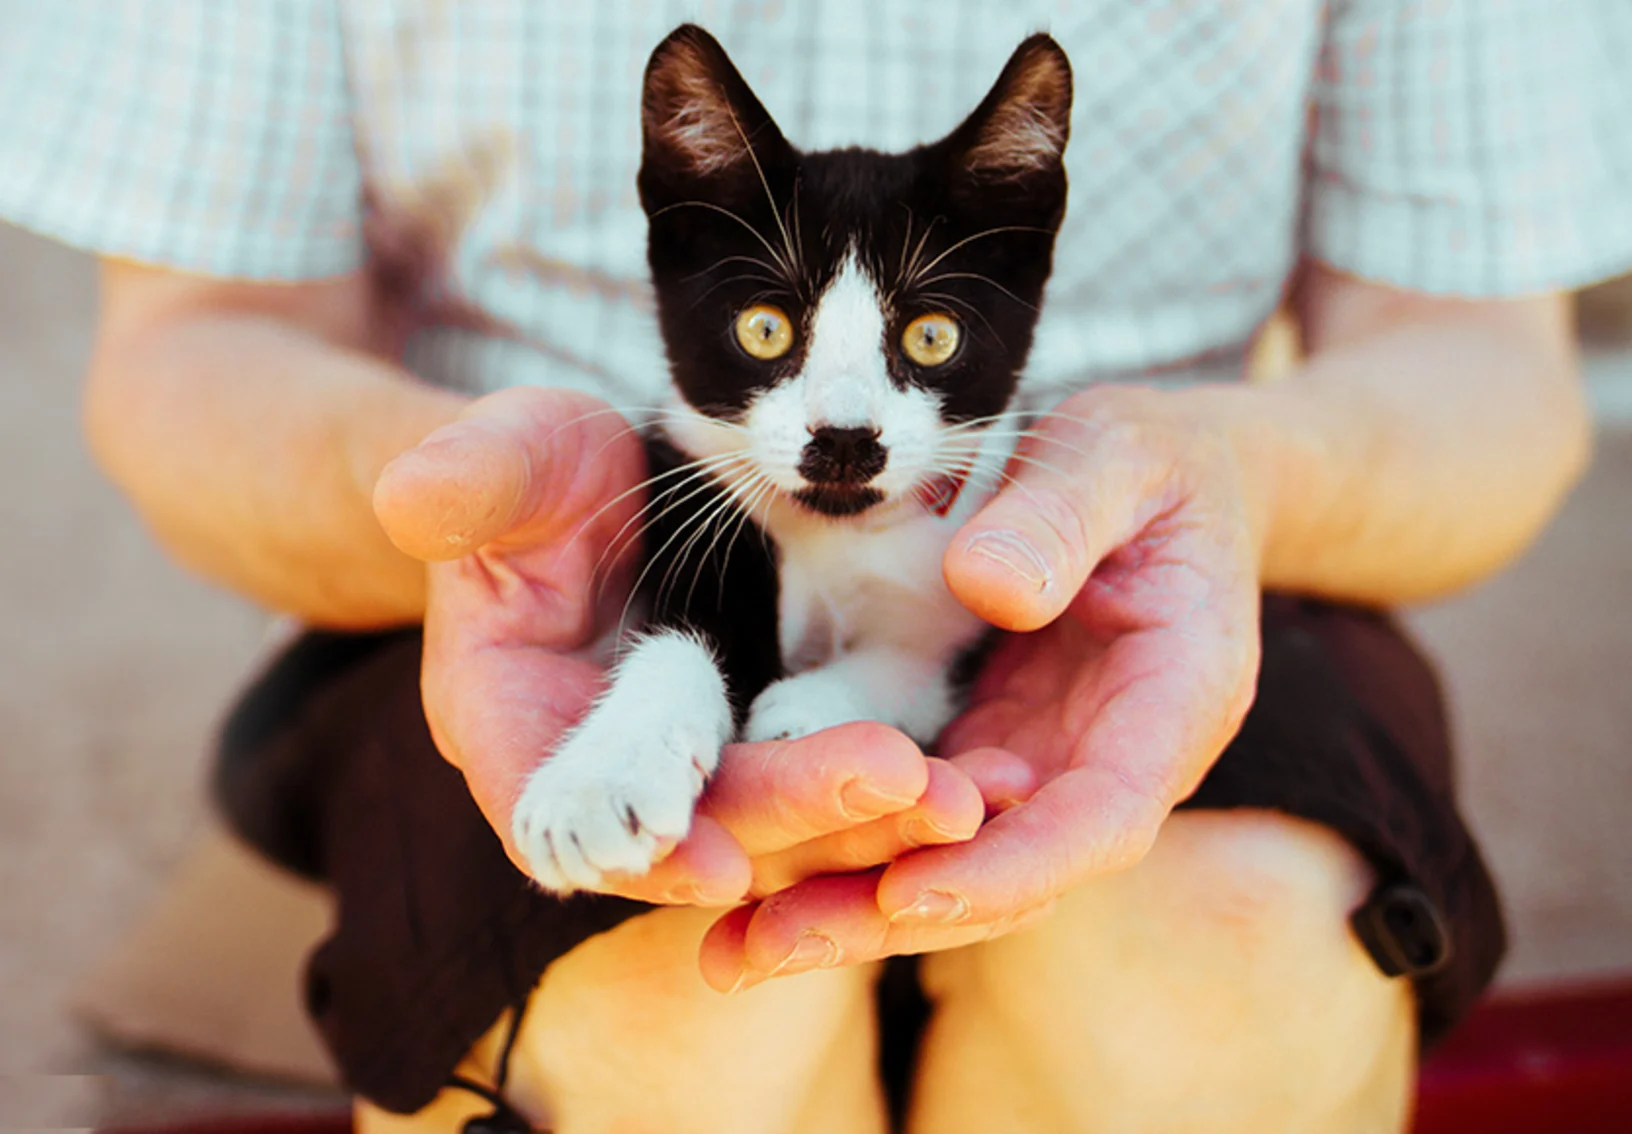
(1012, 147)
(704, 133)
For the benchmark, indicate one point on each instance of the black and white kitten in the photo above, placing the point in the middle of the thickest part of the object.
(842, 328)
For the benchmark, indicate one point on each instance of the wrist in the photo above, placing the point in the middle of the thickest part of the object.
(1281, 457)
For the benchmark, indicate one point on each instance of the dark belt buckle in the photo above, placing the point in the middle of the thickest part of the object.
(1403, 930)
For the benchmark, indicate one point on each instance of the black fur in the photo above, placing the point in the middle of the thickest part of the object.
(723, 588)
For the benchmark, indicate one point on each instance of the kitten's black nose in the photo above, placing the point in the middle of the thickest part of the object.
(837, 455)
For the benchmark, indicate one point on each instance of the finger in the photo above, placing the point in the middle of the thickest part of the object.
(1074, 493)
(708, 868)
(950, 810)
(1002, 778)
(827, 922)
(524, 463)
(776, 794)
(1080, 824)
(1174, 702)
(720, 954)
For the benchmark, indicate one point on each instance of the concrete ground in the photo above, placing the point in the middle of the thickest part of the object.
(116, 666)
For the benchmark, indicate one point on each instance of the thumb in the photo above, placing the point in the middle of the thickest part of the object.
(521, 465)
(1071, 496)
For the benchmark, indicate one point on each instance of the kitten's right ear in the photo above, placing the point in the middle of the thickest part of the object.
(1010, 151)
(704, 133)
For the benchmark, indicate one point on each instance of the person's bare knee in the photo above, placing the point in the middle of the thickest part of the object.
(623, 1035)
(1215, 987)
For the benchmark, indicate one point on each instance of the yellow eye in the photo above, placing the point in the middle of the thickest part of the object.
(930, 340)
(764, 331)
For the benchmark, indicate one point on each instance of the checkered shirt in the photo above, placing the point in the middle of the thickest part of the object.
(1471, 147)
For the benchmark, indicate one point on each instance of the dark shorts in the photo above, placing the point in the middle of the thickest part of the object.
(327, 766)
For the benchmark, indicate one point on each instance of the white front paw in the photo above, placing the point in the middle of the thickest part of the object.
(803, 704)
(621, 788)
(610, 799)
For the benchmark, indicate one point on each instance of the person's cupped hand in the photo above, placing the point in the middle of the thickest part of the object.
(524, 511)
(1124, 555)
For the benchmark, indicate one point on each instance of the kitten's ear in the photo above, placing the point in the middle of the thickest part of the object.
(1012, 147)
(704, 132)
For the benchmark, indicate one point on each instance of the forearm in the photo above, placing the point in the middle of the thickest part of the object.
(1422, 445)
(251, 446)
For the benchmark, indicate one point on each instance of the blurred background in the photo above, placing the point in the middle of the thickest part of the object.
(116, 667)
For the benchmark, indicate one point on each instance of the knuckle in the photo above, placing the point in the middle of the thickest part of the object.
(1057, 509)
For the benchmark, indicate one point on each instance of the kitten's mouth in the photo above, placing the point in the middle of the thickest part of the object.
(939, 493)
(838, 499)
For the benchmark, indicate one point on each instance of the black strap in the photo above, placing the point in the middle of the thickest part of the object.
(504, 1118)
(1404, 931)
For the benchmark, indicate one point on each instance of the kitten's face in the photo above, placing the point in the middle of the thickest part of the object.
(840, 325)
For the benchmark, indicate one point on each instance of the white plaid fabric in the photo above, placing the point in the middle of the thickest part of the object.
(210, 135)
(486, 150)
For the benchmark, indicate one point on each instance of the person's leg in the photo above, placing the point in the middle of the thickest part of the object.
(1214, 988)
(623, 1035)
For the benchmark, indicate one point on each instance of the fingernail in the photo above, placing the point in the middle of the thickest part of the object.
(811, 951)
(935, 907)
(921, 832)
(1015, 552)
(685, 894)
(712, 897)
(709, 893)
(859, 799)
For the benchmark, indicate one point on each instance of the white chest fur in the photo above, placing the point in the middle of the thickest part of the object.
(874, 582)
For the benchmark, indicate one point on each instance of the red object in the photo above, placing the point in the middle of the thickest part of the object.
(1553, 1062)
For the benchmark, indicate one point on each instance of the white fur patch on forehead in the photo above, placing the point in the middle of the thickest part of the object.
(846, 378)
(1027, 127)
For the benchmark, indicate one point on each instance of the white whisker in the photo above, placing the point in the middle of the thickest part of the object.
(1041, 464)
(723, 260)
(901, 267)
(698, 479)
(777, 285)
(917, 254)
(676, 566)
(930, 267)
(982, 279)
(782, 265)
(764, 484)
(965, 304)
(793, 257)
(736, 501)
(1028, 434)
